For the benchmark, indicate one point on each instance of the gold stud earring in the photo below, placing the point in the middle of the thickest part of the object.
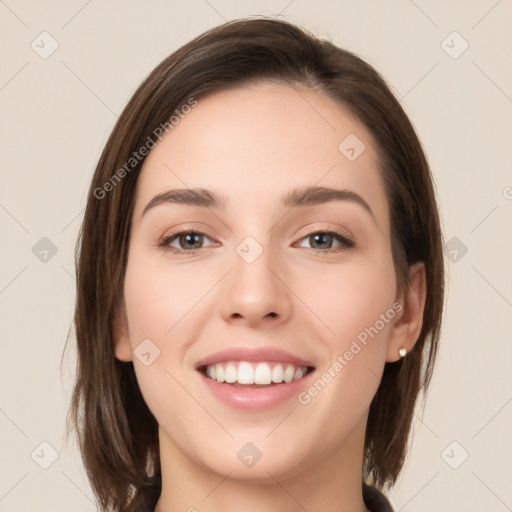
(402, 352)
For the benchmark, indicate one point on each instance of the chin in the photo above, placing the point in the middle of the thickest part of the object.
(256, 462)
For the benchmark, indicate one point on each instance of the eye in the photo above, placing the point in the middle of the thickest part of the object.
(187, 242)
(184, 242)
(322, 241)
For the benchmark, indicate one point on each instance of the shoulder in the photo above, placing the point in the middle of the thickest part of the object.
(375, 500)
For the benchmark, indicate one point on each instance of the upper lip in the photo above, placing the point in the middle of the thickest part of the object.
(264, 354)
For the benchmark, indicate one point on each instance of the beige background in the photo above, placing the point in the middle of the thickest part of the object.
(57, 113)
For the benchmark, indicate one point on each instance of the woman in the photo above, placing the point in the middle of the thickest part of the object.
(259, 282)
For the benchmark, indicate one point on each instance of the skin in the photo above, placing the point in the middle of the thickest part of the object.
(254, 144)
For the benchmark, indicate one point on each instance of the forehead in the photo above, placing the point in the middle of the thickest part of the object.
(256, 143)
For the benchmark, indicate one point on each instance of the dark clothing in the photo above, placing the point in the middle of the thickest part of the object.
(375, 500)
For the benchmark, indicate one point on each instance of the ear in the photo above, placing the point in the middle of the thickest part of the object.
(407, 326)
(122, 347)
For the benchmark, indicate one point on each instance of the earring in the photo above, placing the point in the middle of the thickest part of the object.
(402, 352)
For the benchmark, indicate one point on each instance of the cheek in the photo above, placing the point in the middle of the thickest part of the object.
(167, 306)
(162, 300)
(355, 304)
(350, 298)
(162, 307)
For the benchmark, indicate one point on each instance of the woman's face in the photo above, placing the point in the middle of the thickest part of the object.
(270, 282)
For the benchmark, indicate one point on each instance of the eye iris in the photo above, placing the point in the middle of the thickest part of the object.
(319, 238)
(189, 238)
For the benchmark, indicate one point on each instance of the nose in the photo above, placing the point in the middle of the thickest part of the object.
(257, 294)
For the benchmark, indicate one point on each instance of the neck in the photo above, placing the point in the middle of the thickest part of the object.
(330, 484)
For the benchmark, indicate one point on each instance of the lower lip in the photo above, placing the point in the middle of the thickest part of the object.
(255, 398)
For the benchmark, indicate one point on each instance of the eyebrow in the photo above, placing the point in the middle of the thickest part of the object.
(299, 197)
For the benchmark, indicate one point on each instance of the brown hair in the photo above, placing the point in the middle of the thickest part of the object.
(118, 435)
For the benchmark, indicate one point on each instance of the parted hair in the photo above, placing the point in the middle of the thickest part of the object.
(117, 434)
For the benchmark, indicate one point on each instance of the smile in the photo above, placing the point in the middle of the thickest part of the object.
(246, 373)
(250, 378)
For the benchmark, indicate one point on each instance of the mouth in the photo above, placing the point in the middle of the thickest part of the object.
(257, 379)
(255, 386)
(254, 375)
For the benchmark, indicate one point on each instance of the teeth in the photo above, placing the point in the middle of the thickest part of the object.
(289, 373)
(262, 374)
(255, 373)
(231, 373)
(277, 373)
(245, 374)
(299, 373)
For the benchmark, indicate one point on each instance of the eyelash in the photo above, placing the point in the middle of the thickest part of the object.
(346, 242)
